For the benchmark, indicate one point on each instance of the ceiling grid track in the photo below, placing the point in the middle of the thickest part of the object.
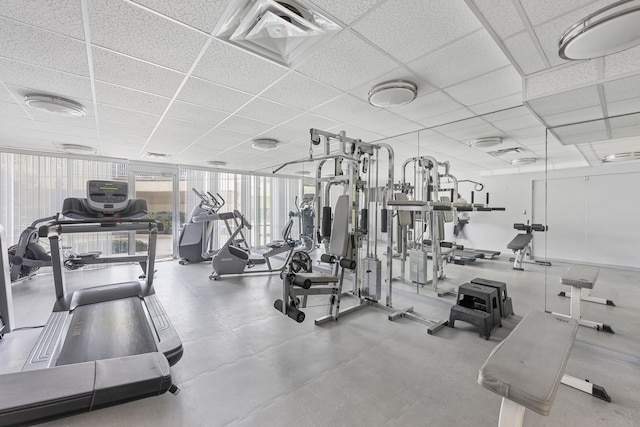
(92, 80)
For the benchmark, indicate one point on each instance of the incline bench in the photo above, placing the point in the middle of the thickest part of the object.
(528, 366)
(582, 277)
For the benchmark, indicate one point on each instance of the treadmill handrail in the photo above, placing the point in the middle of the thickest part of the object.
(89, 226)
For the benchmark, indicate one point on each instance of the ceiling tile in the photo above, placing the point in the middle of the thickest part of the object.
(397, 26)
(564, 78)
(121, 115)
(346, 61)
(626, 106)
(575, 116)
(88, 121)
(200, 14)
(451, 116)
(38, 47)
(344, 109)
(299, 91)
(501, 15)
(244, 125)
(230, 66)
(63, 17)
(52, 129)
(267, 111)
(24, 78)
(179, 130)
(11, 109)
(130, 73)
(219, 140)
(128, 29)
(517, 122)
(130, 99)
(506, 102)
(625, 62)
(384, 121)
(620, 89)
(306, 121)
(467, 135)
(566, 101)
(130, 131)
(195, 113)
(21, 123)
(429, 105)
(211, 95)
(524, 53)
(463, 59)
(346, 11)
(494, 85)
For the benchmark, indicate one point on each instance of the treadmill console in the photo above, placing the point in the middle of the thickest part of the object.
(107, 197)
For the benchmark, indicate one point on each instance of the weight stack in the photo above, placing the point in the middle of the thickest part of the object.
(372, 278)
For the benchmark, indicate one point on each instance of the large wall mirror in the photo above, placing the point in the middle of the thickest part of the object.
(556, 178)
(591, 212)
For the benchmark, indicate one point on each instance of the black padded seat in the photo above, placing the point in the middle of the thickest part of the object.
(520, 241)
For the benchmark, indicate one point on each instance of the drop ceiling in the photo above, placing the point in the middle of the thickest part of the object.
(154, 77)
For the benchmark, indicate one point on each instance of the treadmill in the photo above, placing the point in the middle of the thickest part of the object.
(102, 345)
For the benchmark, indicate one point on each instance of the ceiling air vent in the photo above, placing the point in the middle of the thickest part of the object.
(285, 32)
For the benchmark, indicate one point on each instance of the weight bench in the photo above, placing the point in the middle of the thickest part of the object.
(521, 245)
(581, 277)
(585, 295)
(527, 367)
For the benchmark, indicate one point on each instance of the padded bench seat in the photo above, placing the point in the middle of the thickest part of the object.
(36, 396)
(520, 241)
(581, 276)
(528, 366)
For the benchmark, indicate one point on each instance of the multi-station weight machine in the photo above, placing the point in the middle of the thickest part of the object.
(427, 213)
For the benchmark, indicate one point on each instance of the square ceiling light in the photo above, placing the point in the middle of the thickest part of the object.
(283, 31)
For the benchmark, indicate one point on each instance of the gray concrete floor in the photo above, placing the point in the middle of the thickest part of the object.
(247, 365)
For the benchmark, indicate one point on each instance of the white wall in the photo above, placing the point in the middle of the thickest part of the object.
(590, 213)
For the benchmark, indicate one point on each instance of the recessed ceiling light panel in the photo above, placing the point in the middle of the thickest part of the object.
(621, 157)
(265, 144)
(611, 29)
(487, 142)
(393, 93)
(55, 105)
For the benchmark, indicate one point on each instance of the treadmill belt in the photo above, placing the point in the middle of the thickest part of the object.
(106, 330)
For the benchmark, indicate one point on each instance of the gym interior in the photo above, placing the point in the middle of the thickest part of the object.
(313, 213)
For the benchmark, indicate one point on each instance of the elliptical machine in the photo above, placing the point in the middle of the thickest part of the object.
(194, 244)
(306, 219)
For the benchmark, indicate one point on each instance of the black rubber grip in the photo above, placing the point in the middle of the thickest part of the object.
(451, 194)
(383, 220)
(446, 244)
(292, 312)
(472, 194)
(348, 263)
(326, 221)
(364, 219)
(487, 199)
(519, 226)
(329, 259)
(539, 227)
